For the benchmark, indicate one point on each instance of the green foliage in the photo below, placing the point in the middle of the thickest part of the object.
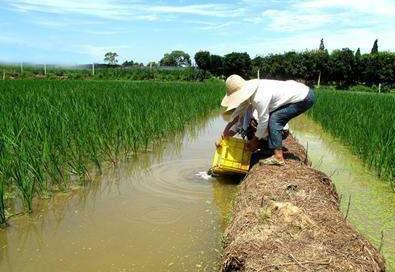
(365, 122)
(203, 60)
(322, 46)
(237, 63)
(341, 67)
(217, 65)
(111, 58)
(343, 63)
(117, 73)
(176, 58)
(128, 63)
(52, 130)
(375, 48)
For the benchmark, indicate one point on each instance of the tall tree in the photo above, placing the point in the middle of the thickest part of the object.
(111, 58)
(216, 65)
(128, 63)
(176, 58)
(237, 63)
(343, 63)
(322, 46)
(358, 68)
(203, 59)
(358, 53)
(375, 48)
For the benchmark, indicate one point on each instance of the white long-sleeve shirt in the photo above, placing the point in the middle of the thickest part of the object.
(272, 94)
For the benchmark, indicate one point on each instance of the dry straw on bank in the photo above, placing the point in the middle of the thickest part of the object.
(288, 219)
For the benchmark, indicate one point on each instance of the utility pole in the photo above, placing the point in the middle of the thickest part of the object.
(3, 74)
(93, 69)
(319, 80)
(45, 69)
(21, 68)
(259, 74)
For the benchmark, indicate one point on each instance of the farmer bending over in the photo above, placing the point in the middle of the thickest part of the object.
(275, 102)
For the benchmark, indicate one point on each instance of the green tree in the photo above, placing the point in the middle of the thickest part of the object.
(237, 63)
(375, 48)
(343, 63)
(152, 64)
(176, 58)
(167, 60)
(127, 63)
(216, 65)
(203, 60)
(111, 58)
(322, 46)
(358, 68)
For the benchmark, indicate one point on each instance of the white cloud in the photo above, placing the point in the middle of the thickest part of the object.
(292, 20)
(329, 14)
(97, 52)
(99, 8)
(214, 10)
(352, 38)
(378, 7)
(131, 10)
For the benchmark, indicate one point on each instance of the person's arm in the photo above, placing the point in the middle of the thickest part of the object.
(262, 106)
(228, 132)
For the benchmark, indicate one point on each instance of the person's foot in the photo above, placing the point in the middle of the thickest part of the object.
(272, 161)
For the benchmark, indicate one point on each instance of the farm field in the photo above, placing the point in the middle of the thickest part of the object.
(41, 72)
(365, 122)
(54, 132)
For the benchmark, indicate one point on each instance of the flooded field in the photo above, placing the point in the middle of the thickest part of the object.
(372, 202)
(158, 212)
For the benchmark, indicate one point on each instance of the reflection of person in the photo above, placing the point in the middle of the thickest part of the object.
(275, 102)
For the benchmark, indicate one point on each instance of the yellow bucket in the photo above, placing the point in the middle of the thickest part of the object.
(231, 157)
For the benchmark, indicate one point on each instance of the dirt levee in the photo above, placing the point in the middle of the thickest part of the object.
(288, 219)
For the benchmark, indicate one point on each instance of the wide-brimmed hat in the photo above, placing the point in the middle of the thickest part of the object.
(238, 90)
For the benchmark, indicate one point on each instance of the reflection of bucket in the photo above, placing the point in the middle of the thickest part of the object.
(231, 157)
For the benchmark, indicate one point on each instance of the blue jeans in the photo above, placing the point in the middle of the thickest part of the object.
(281, 116)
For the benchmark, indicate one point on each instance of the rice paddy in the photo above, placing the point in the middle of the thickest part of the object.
(365, 122)
(54, 132)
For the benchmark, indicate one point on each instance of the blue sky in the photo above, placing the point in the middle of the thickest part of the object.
(81, 31)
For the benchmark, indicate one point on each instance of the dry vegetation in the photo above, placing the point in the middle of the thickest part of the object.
(288, 219)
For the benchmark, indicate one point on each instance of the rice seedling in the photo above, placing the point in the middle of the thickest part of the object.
(365, 122)
(53, 130)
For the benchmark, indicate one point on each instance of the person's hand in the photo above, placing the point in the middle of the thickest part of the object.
(285, 134)
(218, 142)
(253, 144)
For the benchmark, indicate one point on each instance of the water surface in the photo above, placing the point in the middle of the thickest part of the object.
(156, 212)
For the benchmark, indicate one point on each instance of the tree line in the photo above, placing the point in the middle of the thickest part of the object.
(342, 67)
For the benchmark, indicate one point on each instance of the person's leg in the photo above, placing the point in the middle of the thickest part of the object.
(280, 117)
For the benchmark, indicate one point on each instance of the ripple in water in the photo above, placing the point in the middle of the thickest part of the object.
(176, 180)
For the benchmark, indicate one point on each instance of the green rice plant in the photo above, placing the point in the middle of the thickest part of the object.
(365, 122)
(54, 131)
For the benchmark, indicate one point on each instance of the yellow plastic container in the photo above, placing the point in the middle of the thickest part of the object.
(231, 157)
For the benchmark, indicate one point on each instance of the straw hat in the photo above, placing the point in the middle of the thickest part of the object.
(238, 90)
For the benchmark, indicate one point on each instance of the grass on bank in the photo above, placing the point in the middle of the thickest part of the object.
(365, 122)
(53, 130)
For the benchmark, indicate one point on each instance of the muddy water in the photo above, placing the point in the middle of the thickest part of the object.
(372, 205)
(157, 212)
